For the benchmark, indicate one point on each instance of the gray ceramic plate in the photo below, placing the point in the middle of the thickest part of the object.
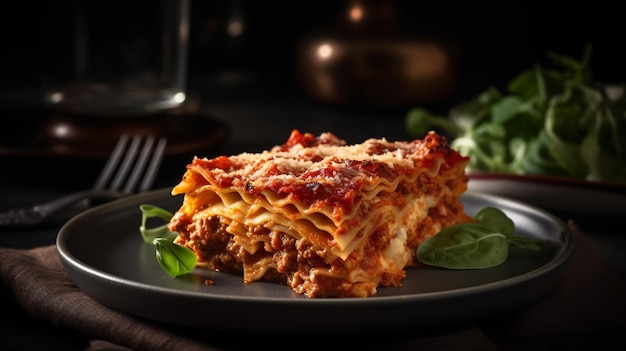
(104, 254)
(553, 193)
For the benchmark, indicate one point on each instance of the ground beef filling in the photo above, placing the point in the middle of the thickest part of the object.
(292, 260)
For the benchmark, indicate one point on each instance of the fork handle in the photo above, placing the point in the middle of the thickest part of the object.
(36, 214)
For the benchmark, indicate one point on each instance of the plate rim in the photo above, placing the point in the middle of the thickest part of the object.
(548, 180)
(73, 266)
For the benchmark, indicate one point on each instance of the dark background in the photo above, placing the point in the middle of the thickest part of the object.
(496, 39)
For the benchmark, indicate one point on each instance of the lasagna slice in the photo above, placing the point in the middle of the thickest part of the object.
(325, 218)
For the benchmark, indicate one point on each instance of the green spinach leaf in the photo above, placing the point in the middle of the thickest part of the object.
(475, 245)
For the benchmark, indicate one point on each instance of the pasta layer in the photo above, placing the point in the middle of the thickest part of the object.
(326, 218)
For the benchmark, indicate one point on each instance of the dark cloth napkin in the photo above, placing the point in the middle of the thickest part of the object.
(585, 311)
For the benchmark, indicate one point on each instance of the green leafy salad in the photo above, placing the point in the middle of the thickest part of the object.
(476, 245)
(551, 122)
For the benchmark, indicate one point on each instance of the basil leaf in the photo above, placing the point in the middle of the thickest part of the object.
(464, 246)
(149, 234)
(174, 259)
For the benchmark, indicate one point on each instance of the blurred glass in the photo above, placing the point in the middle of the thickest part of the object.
(115, 57)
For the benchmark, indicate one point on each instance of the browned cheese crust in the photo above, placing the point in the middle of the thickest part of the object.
(325, 218)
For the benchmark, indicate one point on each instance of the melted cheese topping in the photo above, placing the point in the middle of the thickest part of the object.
(362, 208)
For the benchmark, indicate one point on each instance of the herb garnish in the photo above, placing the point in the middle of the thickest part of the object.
(555, 121)
(174, 259)
(475, 245)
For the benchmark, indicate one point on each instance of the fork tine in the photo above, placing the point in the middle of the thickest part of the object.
(133, 161)
(153, 168)
(111, 164)
(40, 212)
(139, 166)
(127, 163)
